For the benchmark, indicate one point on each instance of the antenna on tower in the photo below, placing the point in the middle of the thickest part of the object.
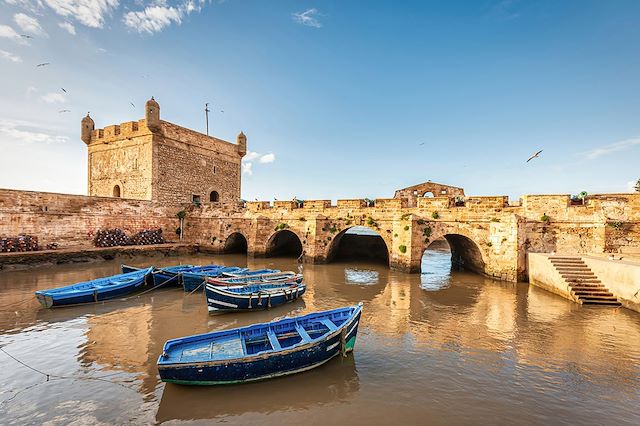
(206, 113)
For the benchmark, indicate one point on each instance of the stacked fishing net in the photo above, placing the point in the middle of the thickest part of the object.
(111, 238)
(19, 243)
(148, 236)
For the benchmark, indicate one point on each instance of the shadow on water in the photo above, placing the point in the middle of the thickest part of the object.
(336, 381)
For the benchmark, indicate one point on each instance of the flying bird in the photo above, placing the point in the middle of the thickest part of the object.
(25, 36)
(422, 144)
(44, 64)
(132, 104)
(62, 88)
(64, 110)
(536, 155)
(222, 110)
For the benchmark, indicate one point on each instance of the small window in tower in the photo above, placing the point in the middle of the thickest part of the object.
(116, 191)
(195, 199)
(214, 197)
(214, 169)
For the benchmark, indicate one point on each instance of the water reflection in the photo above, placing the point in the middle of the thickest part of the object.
(337, 381)
(427, 350)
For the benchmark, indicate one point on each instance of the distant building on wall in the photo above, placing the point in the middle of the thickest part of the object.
(152, 159)
(428, 189)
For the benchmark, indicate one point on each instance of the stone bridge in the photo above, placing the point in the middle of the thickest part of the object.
(487, 235)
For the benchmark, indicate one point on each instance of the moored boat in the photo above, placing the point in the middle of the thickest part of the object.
(260, 351)
(93, 291)
(194, 278)
(251, 297)
(273, 277)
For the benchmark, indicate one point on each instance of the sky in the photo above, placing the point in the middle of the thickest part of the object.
(338, 99)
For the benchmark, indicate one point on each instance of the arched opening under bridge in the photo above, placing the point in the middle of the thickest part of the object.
(284, 243)
(236, 243)
(436, 266)
(116, 191)
(358, 243)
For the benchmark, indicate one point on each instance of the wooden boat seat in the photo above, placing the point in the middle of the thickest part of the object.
(303, 333)
(273, 339)
(329, 324)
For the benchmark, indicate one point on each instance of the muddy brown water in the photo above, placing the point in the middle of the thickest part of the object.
(439, 348)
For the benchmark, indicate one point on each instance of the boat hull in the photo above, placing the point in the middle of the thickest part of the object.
(54, 299)
(265, 366)
(219, 301)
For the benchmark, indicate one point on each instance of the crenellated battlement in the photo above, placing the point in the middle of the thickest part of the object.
(126, 130)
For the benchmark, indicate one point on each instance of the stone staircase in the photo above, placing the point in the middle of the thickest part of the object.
(585, 287)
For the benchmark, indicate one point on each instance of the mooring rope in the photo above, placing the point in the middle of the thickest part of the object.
(51, 377)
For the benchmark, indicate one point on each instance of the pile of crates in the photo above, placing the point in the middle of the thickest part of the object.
(19, 243)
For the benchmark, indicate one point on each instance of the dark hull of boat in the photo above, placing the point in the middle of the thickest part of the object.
(266, 366)
(220, 301)
(192, 281)
(167, 278)
(49, 301)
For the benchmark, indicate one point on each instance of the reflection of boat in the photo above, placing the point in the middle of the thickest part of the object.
(251, 297)
(260, 351)
(93, 291)
(334, 382)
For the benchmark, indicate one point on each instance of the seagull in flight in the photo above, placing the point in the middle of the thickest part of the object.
(63, 89)
(422, 144)
(64, 110)
(536, 155)
(44, 64)
(132, 104)
(25, 36)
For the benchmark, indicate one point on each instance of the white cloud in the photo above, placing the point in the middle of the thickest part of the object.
(152, 19)
(308, 18)
(30, 5)
(159, 15)
(53, 97)
(247, 168)
(91, 13)
(614, 147)
(9, 56)
(268, 158)
(30, 91)
(8, 32)
(13, 132)
(251, 155)
(68, 27)
(28, 24)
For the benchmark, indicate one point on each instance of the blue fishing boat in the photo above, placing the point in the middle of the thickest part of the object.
(194, 278)
(251, 297)
(260, 351)
(268, 278)
(167, 276)
(93, 291)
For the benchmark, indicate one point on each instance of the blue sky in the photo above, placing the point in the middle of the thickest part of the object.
(345, 99)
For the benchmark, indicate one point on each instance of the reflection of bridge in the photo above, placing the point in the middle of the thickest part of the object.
(488, 235)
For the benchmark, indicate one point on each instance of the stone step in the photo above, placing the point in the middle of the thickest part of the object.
(574, 270)
(578, 274)
(601, 293)
(565, 258)
(598, 298)
(581, 287)
(567, 263)
(590, 280)
(574, 266)
(601, 303)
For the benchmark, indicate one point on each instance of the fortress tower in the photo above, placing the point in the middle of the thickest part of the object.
(152, 159)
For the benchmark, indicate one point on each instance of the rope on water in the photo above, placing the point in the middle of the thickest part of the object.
(196, 289)
(51, 377)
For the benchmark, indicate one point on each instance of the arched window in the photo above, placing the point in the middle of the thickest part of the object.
(428, 194)
(116, 191)
(214, 197)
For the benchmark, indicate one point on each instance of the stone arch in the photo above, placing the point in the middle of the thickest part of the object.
(236, 242)
(117, 191)
(284, 243)
(428, 194)
(374, 248)
(214, 197)
(465, 251)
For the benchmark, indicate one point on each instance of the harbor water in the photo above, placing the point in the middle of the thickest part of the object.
(443, 347)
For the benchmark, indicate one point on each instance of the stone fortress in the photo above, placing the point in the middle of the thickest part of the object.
(142, 173)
